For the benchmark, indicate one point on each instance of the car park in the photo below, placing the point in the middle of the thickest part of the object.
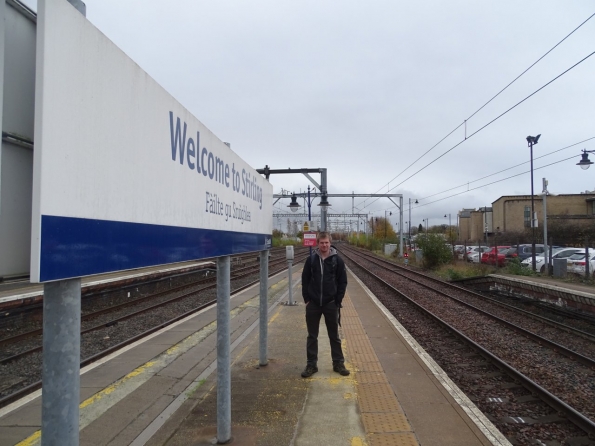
(557, 253)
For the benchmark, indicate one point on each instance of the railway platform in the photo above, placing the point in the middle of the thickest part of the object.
(162, 390)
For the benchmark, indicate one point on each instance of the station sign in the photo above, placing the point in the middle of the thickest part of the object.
(310, 238)
(124, 176)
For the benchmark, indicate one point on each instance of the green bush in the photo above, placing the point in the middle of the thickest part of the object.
(453, 274)
(514, 267)
(435, 251)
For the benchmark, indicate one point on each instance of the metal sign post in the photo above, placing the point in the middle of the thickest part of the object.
(61, 362)
(264, 307)
(223, 352)
(289, 257)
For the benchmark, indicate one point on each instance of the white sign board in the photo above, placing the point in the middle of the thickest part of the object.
(124, 176)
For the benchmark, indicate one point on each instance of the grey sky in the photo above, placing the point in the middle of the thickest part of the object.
(364, 89)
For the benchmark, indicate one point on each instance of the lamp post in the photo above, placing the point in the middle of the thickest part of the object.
(450, 234)
(545, 247)
(385, 219)
(531, 141)
(585, 162)
(416, 202)
(426, 220)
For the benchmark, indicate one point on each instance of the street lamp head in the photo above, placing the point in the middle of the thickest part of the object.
(532, 140)
(585, 162)
(416, 202)
(324, 201)
(294, 206)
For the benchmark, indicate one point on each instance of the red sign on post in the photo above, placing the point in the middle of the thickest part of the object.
(310, 238)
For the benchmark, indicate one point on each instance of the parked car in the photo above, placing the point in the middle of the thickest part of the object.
(459, 249)
(494, 256)
(472, 250)
(558, 252)
(524, 251)
(576, 263)
(464, 252)
(510, 253)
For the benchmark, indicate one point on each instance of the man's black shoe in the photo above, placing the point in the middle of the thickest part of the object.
(309, 371)
(339, 367)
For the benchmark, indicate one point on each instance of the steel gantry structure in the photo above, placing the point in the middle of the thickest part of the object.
(352, 196)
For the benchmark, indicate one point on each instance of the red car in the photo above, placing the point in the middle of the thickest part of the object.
(495, 256)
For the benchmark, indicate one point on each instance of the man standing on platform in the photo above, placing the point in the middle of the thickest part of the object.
(324, 281)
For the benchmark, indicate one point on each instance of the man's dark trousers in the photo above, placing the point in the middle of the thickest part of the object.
(331, 319)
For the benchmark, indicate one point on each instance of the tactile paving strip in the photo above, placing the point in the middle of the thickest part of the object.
(384, 420)
(370, 377)
(369, 403)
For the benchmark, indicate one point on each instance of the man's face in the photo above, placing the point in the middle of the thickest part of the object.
(324, 245)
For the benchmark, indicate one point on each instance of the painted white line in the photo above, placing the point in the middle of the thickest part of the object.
(480, 420)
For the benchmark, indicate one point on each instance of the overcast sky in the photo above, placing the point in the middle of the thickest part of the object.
(366, 88)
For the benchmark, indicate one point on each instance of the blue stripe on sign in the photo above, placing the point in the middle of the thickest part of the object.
(78, 247)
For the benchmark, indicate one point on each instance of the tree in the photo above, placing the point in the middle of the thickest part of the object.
(383, 229)
(420, 229)
(435, 251)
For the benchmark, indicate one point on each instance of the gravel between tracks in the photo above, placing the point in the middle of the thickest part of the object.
(480, 380)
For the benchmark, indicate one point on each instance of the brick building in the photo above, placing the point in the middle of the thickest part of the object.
(474, 224)
(513, 213)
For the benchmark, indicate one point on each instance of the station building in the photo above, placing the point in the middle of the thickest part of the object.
(512, 213)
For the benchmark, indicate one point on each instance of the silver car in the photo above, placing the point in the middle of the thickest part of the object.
(577, 263)
(557, 253)
(474, 253)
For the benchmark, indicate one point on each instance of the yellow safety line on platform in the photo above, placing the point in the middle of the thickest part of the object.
(31, 440)
(358, 441)
(91, 409)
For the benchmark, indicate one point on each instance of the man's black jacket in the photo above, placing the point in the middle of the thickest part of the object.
(324, 281)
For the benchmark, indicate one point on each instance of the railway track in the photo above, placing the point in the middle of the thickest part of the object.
(533, 389)
(101, 339)
(555, 331)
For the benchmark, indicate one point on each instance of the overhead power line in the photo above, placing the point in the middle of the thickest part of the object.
(489, 123)
(494, 182)
(508, 168)
(496, 173)
(480, 108)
